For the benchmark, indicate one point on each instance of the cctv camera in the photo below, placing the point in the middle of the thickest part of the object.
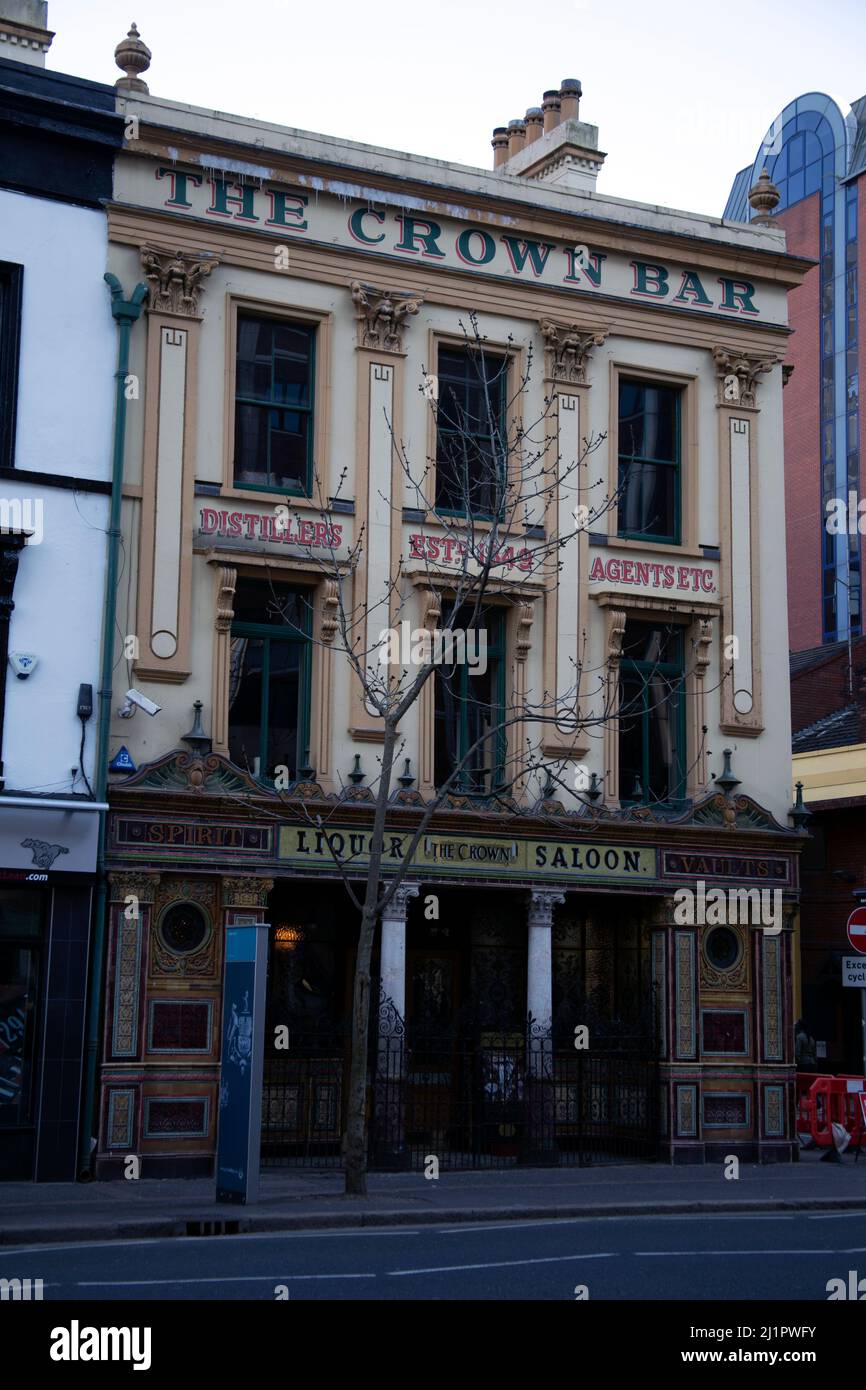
(135, 700)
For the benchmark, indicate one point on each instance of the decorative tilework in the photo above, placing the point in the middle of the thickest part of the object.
(186, 1116)
(726, 1109)
(127, 984)
(659, 969)
(771, 950)
(685, 987)
(774, 1112)
(121, 1118)
(687, 1111)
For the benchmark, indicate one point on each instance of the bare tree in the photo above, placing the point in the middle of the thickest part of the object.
(496, 475)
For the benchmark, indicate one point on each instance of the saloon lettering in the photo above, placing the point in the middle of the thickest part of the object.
(653, 576)
(289, 211)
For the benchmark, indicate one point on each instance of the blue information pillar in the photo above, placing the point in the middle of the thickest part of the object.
(243, 1045)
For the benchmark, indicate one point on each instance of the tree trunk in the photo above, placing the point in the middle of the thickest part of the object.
(355, 1141)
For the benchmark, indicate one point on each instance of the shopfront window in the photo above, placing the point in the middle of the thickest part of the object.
(20, 961)
(651, 714)
(470, 707)
(269, 678)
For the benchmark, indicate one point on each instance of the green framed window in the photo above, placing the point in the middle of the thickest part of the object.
(651, 714)
(470, 709)
(274, 394)
(649, 505)
(471, 431)
(269, 678)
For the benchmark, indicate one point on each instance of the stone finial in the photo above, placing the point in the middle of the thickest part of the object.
(132, 57)
(764, 198)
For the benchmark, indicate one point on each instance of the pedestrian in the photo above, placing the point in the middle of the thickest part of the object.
(805, 1053)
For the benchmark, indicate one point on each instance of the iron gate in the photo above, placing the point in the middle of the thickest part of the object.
(486, 1100)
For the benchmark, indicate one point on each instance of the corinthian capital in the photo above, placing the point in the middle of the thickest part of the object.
(737, 376)
(567, 348)
(381, 315)
(175, 278)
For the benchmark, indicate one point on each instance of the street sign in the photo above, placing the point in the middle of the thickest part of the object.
(854, 972)
(857, 929)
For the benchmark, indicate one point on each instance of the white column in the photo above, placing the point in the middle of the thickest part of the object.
(392, 997)
(539, 968)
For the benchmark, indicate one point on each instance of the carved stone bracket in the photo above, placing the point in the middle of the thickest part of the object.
(246, 892)
(381, 315)
(523, 643)
(737, 377)
(139, 885)
(175, 278)
(567, 350)
(330, 606)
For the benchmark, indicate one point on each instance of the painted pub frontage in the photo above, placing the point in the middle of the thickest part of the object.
(540, 996)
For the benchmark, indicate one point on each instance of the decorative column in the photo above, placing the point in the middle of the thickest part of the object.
(697, 740)
(381, 316)
(737, 376)
(567, 351)
(389, 1125)
(540, 1108)
(227, 578)
(165, 555)
(615, 632)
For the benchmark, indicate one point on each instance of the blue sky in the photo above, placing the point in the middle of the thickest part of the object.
(682, 90)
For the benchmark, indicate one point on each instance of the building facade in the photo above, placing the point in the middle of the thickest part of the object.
(303, 294)
(815, 156)
(58, 137)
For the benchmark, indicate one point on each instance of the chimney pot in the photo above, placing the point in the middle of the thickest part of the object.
(516, 137)
(550, 107)
(534, 121)
(500, 146)
(569, 97)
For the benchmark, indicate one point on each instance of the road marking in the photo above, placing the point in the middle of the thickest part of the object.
(680, 1254)
(215, 1279)
(499, 1264)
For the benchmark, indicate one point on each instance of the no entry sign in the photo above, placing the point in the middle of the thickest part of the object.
(857, 929)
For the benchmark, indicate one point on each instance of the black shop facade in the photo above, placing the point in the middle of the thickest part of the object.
(537, 998)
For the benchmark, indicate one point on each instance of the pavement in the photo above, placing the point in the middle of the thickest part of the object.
(299, 1199)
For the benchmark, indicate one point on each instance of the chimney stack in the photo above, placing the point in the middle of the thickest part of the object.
(24, 33)
(551, 144)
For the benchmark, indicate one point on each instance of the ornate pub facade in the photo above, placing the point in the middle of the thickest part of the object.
(304, 293)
